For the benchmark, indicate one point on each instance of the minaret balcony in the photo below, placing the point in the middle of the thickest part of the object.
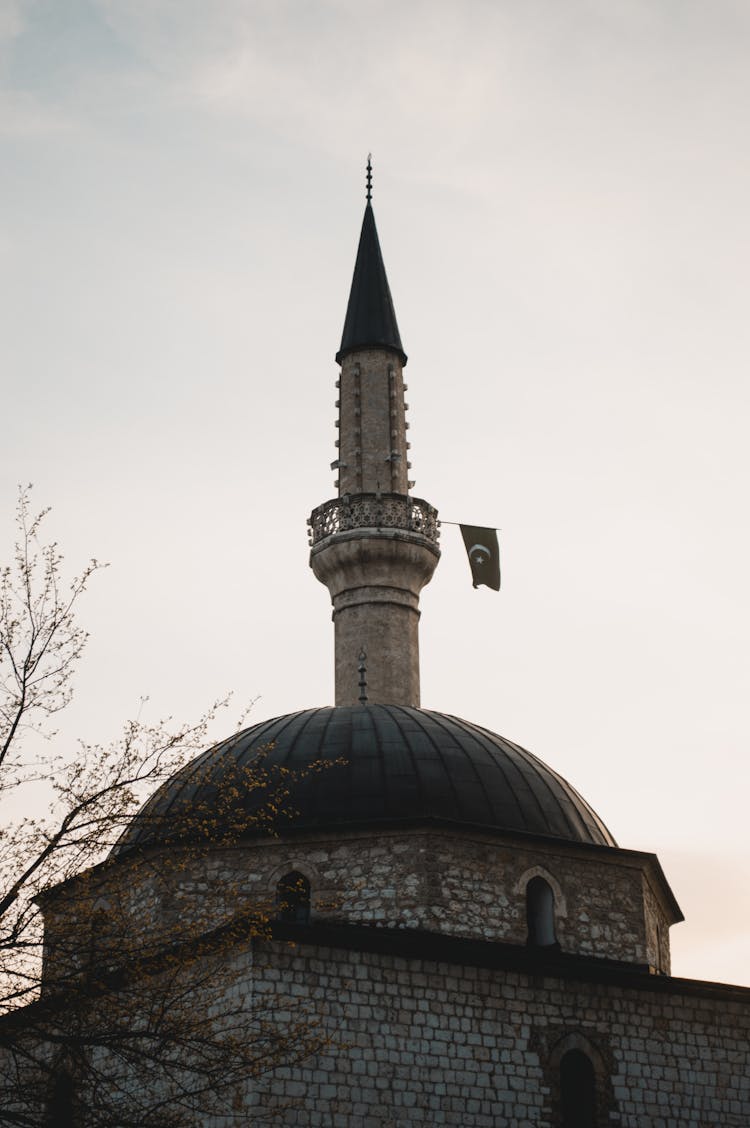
(374, 511)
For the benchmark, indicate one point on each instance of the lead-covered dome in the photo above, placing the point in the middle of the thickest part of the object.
(394, 765)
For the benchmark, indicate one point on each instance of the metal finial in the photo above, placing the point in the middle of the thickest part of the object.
(362, 671)
(369, 178)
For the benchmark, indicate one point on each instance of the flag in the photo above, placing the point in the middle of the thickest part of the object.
(484, 555)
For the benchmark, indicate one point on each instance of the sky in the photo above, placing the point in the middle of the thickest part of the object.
(561, 195)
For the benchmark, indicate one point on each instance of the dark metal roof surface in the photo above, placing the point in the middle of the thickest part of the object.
(400, 765)
(370, 317)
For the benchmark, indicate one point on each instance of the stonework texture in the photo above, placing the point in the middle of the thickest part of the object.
(608, 903)
(372, 446)
(374, 578)
(415, 964)
(422, 1042)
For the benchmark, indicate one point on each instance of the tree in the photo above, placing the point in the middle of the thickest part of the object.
(103, 962)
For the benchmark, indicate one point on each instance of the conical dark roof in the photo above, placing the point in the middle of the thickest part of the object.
(370, 316)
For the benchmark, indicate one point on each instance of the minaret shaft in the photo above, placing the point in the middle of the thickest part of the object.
(372, 424)
(374, 577)
(375, 546)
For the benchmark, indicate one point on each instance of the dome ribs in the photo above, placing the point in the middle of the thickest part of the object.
(366, 768)
(572, 805)
(533, 776)
(460, 770)
(403, 794)
(314, 743)
(432, 769)
(398, 764)
(507, 790)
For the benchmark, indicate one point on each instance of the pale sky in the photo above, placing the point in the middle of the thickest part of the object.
(561, 191)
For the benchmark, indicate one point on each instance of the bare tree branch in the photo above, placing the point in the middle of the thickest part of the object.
(98, 979)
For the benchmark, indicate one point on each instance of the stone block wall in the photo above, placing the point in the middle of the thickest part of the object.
(470, 886)
(421, 1042)
(607, 901)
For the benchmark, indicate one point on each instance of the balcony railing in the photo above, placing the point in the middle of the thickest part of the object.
(373, 511)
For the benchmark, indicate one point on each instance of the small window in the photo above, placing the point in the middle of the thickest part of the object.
(59, 1112)
(577, 1090)
(540, 914)
(97, 934)
(293, 898)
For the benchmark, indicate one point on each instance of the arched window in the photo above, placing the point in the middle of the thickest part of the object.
(577, 1090)
(97, 939)
(540, 914)
(59, 1112)
(293, 898)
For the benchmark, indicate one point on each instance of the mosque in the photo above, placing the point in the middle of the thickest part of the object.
(478, 948)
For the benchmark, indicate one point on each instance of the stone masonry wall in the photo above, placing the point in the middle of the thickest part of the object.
(461, 885)
(657, 929)
(424, 1043)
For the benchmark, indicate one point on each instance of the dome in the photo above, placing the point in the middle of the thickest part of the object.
(396, 766)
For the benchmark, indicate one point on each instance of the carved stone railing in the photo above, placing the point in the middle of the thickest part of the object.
(373, 511)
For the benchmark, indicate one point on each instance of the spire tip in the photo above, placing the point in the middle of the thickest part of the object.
(369, 178)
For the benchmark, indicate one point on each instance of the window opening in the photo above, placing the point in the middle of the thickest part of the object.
(540, 914)
(59, 1112)
(577, 1090)
(97, 941)
(293, 898)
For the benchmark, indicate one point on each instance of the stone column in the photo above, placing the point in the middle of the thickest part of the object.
(372, 446)
(374, 576)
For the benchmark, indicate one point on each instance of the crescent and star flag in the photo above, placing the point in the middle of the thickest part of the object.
(484, 555)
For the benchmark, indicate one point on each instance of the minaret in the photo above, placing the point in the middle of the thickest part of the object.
(373, 546)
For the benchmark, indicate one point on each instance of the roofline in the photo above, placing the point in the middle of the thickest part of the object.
(645, 860)
(342, 353)
(339, 826)
(408, 943)
(432, 947)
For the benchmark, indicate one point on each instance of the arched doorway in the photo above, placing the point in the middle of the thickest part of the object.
(577, 1090)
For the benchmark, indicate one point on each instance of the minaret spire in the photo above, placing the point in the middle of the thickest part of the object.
(370, 317)
(375, 546)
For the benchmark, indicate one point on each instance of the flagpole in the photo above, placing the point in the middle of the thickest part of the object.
(459, 523)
